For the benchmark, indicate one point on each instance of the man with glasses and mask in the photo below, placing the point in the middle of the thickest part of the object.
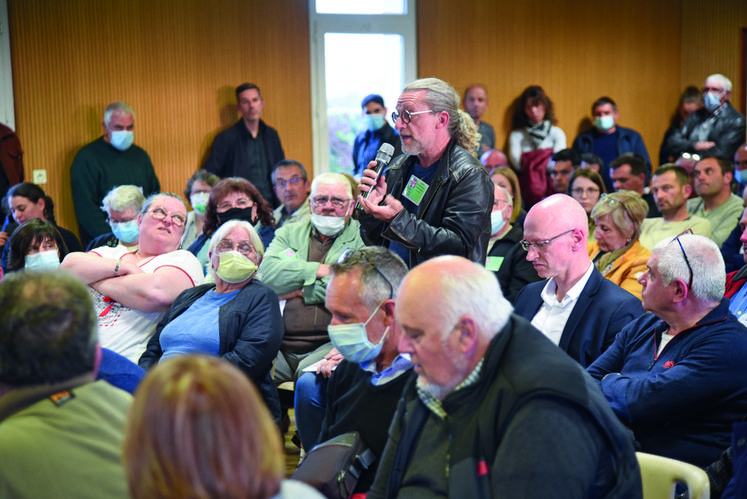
(363, 391)
(677, 376)
(297, 267)
(132, 289)
(717, 129)
(576, 307)
(436, 198)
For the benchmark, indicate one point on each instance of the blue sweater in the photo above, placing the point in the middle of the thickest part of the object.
(682, 403)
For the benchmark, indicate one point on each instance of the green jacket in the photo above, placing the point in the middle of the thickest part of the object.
(285, 267)
(56, 446)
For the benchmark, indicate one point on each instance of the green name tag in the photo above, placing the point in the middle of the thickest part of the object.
(415, 190)
(494, 263)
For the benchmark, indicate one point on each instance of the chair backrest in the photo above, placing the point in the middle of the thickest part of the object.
(660, 476)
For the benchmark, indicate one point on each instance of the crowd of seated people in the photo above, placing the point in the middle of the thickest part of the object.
(390, 304)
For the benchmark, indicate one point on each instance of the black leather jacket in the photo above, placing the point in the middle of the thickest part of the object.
(727, 131)
(453, 217)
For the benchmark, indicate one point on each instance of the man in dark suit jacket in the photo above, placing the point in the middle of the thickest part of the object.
(250, 148)
(576, 308)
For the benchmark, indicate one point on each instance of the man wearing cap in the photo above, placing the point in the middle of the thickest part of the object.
(377, 132)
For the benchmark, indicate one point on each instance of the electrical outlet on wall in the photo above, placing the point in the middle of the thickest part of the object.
(40, 176)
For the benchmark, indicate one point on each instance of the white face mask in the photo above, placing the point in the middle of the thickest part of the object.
(199, 201)
(496, 221)
(328, 226)
(44, 260)
(122, 139)
(351, 340)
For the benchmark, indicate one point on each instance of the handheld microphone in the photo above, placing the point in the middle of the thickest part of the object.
(383, 157)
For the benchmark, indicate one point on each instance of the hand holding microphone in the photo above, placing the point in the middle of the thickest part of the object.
(381, 206)
(383, 157)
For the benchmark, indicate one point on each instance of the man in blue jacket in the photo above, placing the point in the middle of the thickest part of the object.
(576, 307)
(677, 376)
(608, 140)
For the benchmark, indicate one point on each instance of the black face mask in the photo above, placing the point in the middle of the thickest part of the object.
(243, 214)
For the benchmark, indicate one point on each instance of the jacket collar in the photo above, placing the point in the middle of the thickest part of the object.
(18, 399)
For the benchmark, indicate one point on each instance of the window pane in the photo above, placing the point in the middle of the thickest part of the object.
(349, 78)
(361, 7)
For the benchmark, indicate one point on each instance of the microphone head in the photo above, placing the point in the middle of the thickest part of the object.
(385, 153)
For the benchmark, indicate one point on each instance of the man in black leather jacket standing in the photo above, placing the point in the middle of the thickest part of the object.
(436, 198)
(717, 129)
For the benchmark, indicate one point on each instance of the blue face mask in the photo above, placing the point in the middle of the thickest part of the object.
(712, 101)
(740, 176)
(126, 232)
(496, 221)
(44, 260)
(374, 121)
(351, 340)
(122, 139)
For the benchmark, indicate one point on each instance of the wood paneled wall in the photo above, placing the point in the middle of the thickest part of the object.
(577, 51)
(711, 42)
(177, 62)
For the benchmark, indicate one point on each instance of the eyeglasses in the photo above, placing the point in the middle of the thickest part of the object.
(687, 262)
(687, 155)
(176, 218)
(351, 257)
(614, 202)
(581, 191)
(244, 247)
(240, 203)
(541, 245)
(320, 201)
(292, 181)
(407, 115)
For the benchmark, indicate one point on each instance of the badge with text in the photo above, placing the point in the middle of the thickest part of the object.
(415, 190)
(494, 263)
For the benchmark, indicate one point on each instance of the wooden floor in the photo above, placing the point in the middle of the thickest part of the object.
(292, 453)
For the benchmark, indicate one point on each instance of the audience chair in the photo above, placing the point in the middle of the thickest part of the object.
(660, 476)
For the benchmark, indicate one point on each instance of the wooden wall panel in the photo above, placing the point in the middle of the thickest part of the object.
(711, 42)
(577, 51)
(175, 62)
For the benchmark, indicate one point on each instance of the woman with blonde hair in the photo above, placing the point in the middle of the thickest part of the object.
(505, 177)
(617, 253)
(197, 428)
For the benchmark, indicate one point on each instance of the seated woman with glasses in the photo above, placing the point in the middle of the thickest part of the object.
(237, 318)
(233, 198)
(132, 288)
(122, 205)
(586, 186)
(617, 253)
